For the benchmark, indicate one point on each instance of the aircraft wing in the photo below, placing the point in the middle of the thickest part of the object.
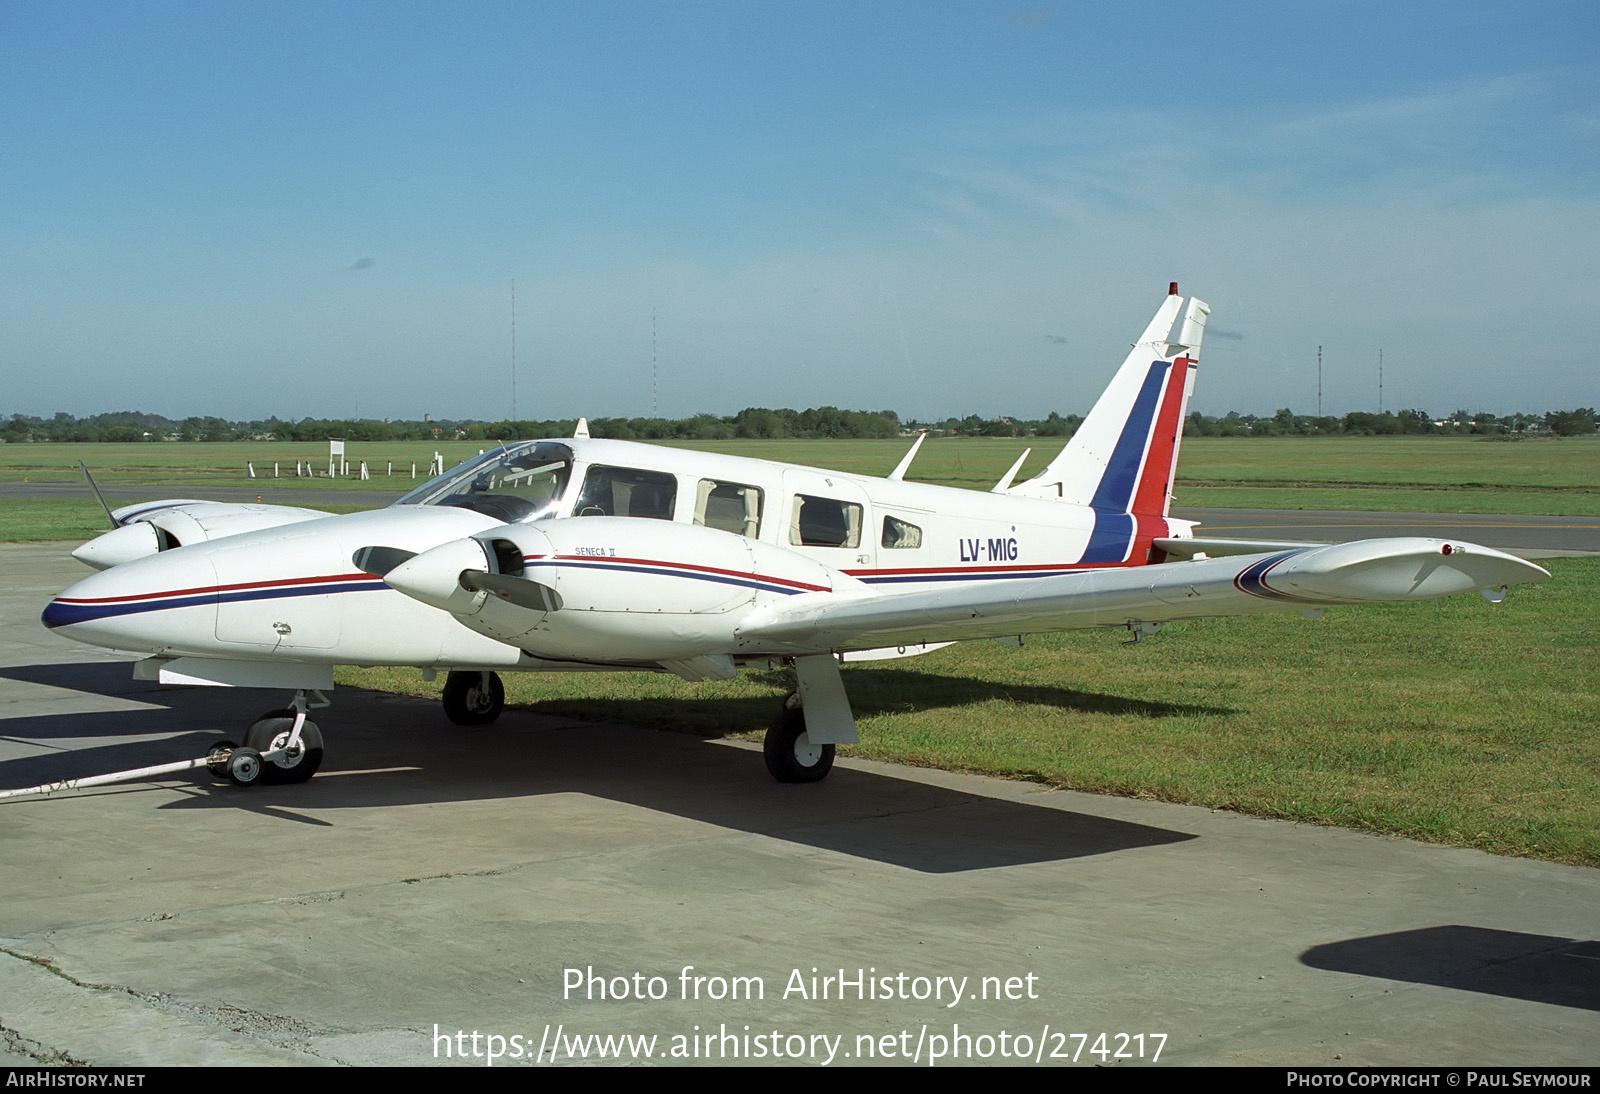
(1366, 571)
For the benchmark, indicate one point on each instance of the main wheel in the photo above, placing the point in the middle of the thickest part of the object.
(790, 755)
(273, 729)
(467, 702)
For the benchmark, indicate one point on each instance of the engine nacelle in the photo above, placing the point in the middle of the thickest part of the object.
(150, 529)
(616, 590)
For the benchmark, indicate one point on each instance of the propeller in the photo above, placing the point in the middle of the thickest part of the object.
(101, 498)
(448, 576)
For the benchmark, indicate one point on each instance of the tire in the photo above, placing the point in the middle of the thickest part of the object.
(216, 763)
(467, 703)
(277, 724)
(790, 755)
(245, 767)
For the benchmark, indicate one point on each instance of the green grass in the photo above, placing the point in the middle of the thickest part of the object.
(971, 463)
(1429, 474)
(38, 519)
(1554, 477)
(169, 467)
(1453, 721)
(1551, 464)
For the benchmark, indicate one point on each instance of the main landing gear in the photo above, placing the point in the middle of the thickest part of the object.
(473, 698)
(790, 755)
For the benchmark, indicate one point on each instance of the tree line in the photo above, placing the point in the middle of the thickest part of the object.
(764, 423)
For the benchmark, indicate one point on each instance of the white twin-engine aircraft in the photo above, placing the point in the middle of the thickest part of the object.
(583, 554)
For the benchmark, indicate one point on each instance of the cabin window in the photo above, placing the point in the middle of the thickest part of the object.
(824, 522)
(898, 534)
(728, 507)
(627, 492)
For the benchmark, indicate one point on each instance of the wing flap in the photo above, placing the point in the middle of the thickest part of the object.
(1189, 546)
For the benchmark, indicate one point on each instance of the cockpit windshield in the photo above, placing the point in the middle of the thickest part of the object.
(516, 483)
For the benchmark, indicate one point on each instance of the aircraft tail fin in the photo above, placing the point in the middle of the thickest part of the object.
(1121, 460)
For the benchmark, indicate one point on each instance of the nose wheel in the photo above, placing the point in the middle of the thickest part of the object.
(473, 698)
(272, 732)
(273, 753)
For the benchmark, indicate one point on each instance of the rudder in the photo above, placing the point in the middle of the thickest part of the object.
(1122, 459)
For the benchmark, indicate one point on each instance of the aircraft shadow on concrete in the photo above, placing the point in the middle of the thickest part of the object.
(872, 691)
(1538, 968)
(388, 750)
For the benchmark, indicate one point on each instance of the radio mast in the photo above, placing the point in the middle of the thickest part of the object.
(513, 349)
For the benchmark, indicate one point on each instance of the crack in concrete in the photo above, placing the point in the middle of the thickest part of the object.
(22, 1045)
(277, 1030)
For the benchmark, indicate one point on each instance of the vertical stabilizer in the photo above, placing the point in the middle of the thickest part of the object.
(1122, 459)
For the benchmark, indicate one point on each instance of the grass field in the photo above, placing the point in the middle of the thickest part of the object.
(1431, 475)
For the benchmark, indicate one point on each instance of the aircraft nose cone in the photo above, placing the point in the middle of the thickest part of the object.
(143, 605)
(434, 576)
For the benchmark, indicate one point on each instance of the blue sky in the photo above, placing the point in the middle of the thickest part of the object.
(318, 209)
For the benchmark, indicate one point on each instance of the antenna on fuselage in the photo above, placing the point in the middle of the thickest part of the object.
(900, 470)
(1005, 480)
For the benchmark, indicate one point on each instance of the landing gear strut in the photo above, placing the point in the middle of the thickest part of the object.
(473, 698)
(790, 755)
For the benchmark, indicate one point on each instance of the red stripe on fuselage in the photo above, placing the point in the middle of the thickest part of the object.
(200, 590)
(624, 560)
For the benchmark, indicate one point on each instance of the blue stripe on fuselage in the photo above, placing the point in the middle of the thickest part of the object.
(58, 614)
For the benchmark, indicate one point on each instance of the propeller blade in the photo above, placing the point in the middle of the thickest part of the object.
(514, 590)
(98, 496)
